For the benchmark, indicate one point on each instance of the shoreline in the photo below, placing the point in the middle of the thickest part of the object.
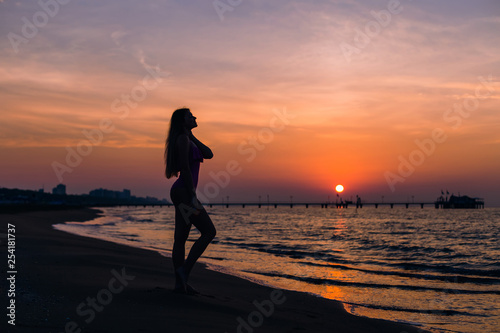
(71, 283)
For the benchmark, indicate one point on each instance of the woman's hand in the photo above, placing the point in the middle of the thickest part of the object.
(205, 151)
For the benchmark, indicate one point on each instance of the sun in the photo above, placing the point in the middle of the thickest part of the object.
(339, 188)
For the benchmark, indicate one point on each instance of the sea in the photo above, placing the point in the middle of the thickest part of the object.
(436, 269)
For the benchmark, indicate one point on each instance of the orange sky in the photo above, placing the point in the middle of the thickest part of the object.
(119, 70)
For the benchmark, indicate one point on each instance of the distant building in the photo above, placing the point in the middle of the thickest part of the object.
(59, 189)
(103, 193)
(125, 194)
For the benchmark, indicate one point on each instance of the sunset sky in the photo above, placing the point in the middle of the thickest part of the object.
(389, 98)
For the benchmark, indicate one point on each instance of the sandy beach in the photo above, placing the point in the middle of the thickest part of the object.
(68, 283)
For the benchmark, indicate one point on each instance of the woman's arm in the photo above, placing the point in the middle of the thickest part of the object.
(183, 146)
(205, 151)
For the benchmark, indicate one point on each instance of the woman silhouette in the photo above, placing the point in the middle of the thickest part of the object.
(183, 155)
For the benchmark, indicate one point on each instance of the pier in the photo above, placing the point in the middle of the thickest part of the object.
(324, 205)
(454, 202)
(302, 204)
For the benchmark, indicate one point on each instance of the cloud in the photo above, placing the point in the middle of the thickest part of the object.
(116, 36)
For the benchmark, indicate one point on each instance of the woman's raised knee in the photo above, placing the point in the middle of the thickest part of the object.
(211, 233)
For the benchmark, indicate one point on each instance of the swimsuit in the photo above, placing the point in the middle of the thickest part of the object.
(195, 158)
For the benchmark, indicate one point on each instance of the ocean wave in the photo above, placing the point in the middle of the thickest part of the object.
(92, 223)
(433, 277)
(494, 272)
(445, 312)
(296, 251)
(332, 282)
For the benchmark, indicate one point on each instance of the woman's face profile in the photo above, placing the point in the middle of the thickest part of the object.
(190, 121)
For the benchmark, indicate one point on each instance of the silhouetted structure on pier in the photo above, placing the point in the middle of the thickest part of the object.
(459, 202)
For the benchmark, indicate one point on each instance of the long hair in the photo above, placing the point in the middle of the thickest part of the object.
(176, 127)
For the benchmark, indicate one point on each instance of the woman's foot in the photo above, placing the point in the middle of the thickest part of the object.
(181, 285)
(191, 291)
(181, 282)
(179, 289)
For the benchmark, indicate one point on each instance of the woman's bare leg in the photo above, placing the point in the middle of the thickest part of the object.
(185, 215)
(204, 224)
(181, 234)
